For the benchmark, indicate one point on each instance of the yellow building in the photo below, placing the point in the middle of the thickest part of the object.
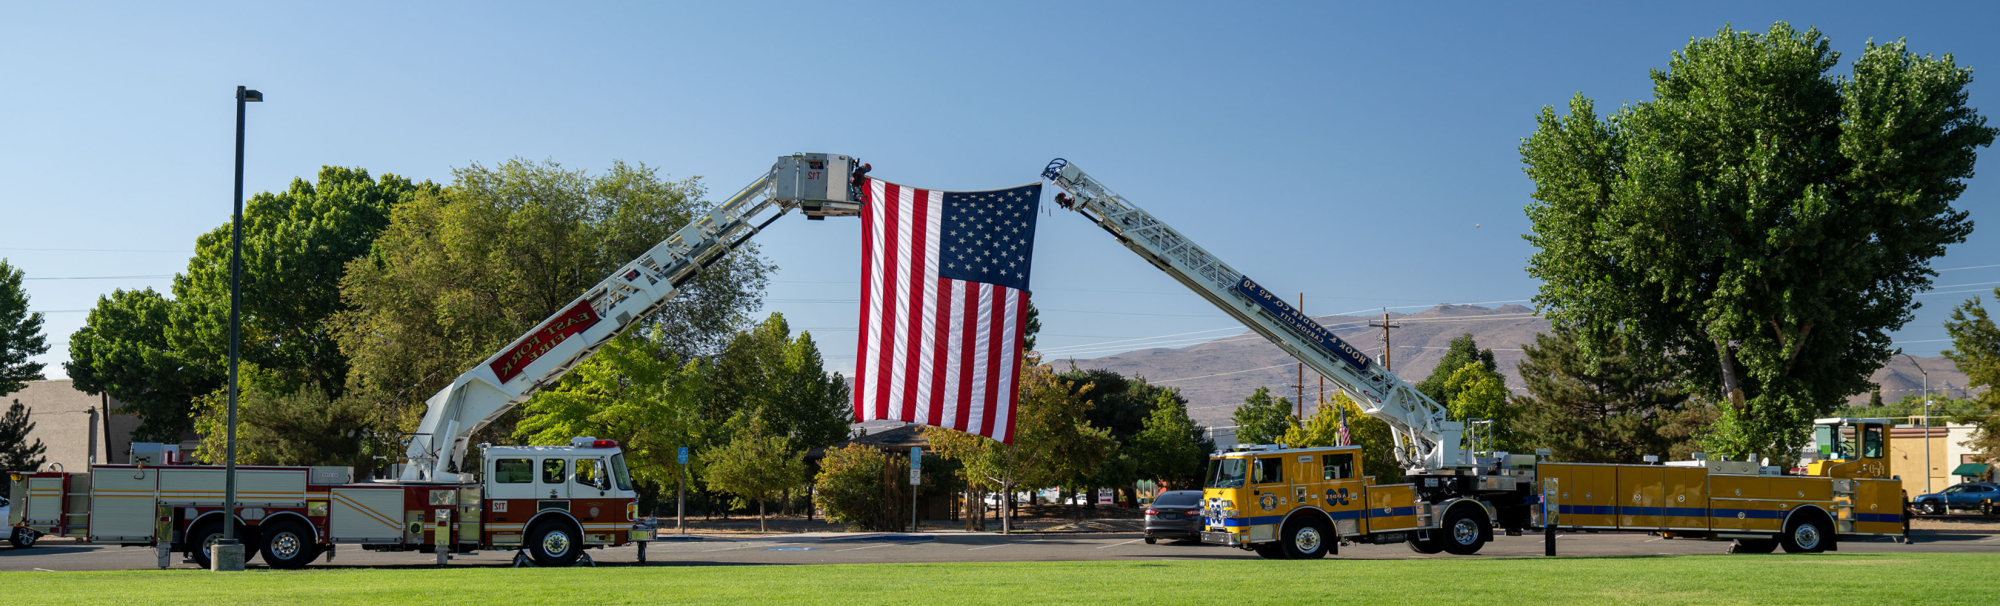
(1947, 451)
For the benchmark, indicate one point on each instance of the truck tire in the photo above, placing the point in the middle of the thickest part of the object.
(1464, 530)
(1754, 546)
(288, 544)
(1808, 533)
(1306, 539)
(555, 543)
(200, 538)
(25, 539)
(1268, 551)
(1431, 546)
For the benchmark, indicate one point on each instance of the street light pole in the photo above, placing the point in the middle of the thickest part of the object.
(1927, 422)
(227, 555)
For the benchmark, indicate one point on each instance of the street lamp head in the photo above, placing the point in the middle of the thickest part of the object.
(248, 95)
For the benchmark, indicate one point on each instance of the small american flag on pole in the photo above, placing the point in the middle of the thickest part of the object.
(944, 301)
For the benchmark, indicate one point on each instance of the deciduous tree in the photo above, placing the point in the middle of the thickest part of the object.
(1262, 419)
(755, 465)
(632, 392)
(1764, 222)
(1371, 434)
(1172, 447)
(126, 349)
(1463, 351)
(462, 271)
(1975, 348)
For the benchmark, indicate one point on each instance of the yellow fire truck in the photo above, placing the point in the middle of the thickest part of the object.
(1299, 503)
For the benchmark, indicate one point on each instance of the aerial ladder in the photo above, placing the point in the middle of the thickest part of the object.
(818, 185)
(1426, 441)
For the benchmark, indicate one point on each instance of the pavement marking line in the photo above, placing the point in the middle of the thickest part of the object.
(868, 547)
(745, 545)
(1124, 543)
(1006, 544)
(43, 570)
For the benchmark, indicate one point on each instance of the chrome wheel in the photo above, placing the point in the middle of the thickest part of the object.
(1806, 536)
(1465, 532)
(286, 545)
(555, 543)
(1307, 540)
(208, 545)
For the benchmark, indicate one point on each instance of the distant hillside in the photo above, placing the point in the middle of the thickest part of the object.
(1217, 375)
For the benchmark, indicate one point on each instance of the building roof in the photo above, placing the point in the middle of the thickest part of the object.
(900, 439)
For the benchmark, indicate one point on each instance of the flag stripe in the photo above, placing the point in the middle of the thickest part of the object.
(868, 232)
(939, 343)
(886, 313)
(910, 334)
(1013, 371)
(990, 323)
(961, 328)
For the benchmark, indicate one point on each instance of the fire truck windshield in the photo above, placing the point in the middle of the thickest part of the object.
(619, 473)
(1226, 473)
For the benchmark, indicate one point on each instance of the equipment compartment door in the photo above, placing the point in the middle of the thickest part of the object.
(1640, 494)
(1686, 498)
(366, 515)
(122, 504)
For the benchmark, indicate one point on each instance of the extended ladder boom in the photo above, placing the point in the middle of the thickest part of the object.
(1425, 439)
(820, 185)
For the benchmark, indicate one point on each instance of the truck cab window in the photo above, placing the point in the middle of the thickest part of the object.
(552, 470)
(590, 472)
(1268, 471)
(1871, 441)
(513, 471)
(1339, 466)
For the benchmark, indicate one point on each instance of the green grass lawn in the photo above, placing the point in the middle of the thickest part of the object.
(1774, 579)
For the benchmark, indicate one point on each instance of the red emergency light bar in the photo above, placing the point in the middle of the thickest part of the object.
(604, 444)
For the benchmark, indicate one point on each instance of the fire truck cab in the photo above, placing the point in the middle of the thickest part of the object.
(1299, 503)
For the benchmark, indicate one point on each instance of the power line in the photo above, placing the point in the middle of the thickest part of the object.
(131, 250)
(1969, 269)
(103, 277)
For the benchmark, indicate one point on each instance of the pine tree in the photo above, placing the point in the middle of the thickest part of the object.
(20, 333)
(16, 454)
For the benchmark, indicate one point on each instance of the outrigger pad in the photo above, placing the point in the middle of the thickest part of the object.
(523, 560)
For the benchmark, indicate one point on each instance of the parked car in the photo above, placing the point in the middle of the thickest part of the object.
(1963, 496)
(19, 537)
(1175, 515)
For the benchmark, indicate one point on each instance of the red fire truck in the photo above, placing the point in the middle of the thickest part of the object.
(552, 502)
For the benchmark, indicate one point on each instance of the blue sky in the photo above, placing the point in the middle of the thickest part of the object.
(1344, 151)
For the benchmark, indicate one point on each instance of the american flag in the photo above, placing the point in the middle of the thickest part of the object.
(944, 300)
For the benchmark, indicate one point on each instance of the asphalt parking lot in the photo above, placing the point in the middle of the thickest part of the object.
(63, 555)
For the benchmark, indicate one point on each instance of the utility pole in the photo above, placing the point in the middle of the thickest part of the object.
(1385, 326)
(1300, 403)
(1927, 421)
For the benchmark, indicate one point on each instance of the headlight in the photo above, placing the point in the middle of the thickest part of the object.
(1225, 504)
